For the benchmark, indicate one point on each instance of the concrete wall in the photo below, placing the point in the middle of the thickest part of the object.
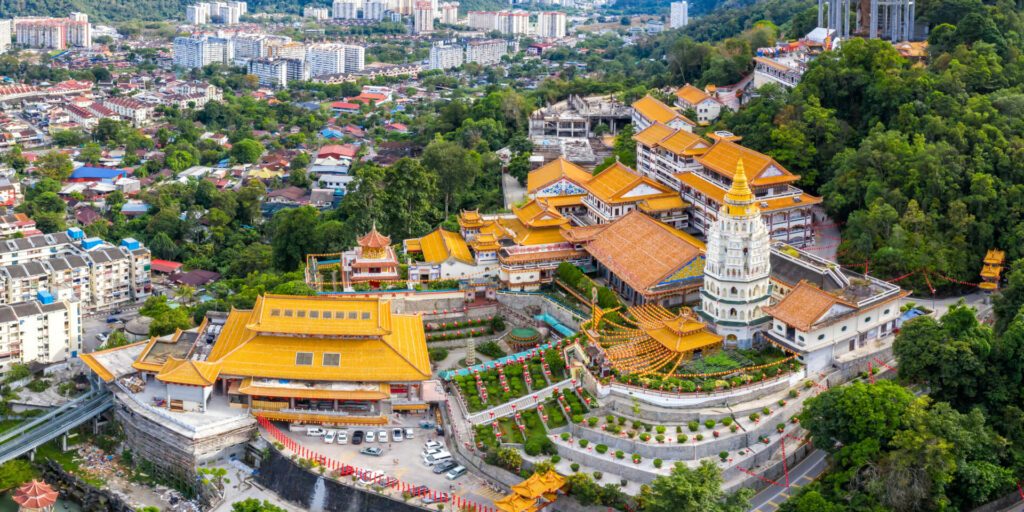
(279, 474)
(519, 302)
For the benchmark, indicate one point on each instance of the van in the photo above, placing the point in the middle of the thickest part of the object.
(314, 431)
(434, 458)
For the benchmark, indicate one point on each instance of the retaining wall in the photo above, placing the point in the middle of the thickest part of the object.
(519, 302)
(289, 481)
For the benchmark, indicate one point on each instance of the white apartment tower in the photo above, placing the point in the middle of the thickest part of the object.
(316, 13)
(679, 15)
(325, 59)
(198, 51)
(486, 51)
(345, 9)
(449, 12)
(374, 9)
(423, 17)
(737, 270)
(355, 58)
(270, 72)
(198, 14)
(6, 31)
(43, 331)
(445, 57)
(551, 24)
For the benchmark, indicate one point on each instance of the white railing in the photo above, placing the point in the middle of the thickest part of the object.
(522, 404)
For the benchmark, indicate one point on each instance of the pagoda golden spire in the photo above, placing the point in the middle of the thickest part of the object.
(739, 198)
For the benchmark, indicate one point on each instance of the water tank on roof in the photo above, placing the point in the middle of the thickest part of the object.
(130, 243)
(44, 297)
(92, 243)
(75, 233)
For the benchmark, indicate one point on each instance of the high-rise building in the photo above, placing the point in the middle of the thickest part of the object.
(423, 17)
(346, 9)
(325, 59)
(270, 72)
(446, 57)
(45, 330)
(679, 15)
(486, 51)
(53, 33)
(317, 13)
(198, 14)
(737, 271)
(296, 70)
(198, 51)
(374, 9)
(514, 22)
(449, 13)
(226, 13)
(483, 20)
(6, 31)
(355, 58)
(551, 24)
(249, 46)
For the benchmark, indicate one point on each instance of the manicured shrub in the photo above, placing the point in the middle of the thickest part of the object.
(622, 421)
(645, 437)
(609, 419)
(601, 448)
(657, 463)
(584, 443)
(727, 421)
(636, 458)
(723, 455)
(793, 393)
(619, 454)
(754, 416)
(766, 411)
(733, 428)
(592, 421)
(574, 467)
(681, 438)
(693, 425)
(700, 437)
(577, 418)
(637, 424)
(565, 436)
(709, 423)
(780, 427)
(679, 429)
(555, 459)
(598, 475)
(660, 429)
(660, 438)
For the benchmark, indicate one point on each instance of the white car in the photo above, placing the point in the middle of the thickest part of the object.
(382, 436)
(371, 436)
(314, 432)
(409, 433)
(396, 435)
(329, 436)
(342, 437)
(432, 445)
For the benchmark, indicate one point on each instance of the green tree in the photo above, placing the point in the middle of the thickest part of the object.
(163, 247)
(255, 505)
(91, 153)
(14, 473)
(856, 413)
(246, 151)
(54, 165)
(292, 237)
(456, 169)
(698, 489)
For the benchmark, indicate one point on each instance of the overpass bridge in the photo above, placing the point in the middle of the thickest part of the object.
(55, 423)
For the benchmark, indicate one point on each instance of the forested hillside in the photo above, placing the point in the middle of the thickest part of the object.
(921, 162)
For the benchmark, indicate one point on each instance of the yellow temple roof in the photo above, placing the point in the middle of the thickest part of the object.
(295, 348)
(691, 94)
(620, 184)
(539, 484)
(658, 112)
(554, 171)
(539, 214)
(995, 257)
(653, 134)
(762, 170)
(516, 503)
(683, 333)
(188, 372)
(485, 242)
(441, 245)
(470, 219)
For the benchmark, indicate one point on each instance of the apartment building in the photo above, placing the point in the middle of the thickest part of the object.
(449, 12)
(44, 330)
(53, 33)
(679, 14)
(486, 52)
(346, 9)
(199, 50)
(374, 9)
(446, 57)
(325, 59)
(270, 72)
(551, 24)
(316, 13)
(6, 35)
(225, 13)
(423, 18)
(132, 110)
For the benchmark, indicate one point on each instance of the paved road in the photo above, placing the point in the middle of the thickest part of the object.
(769, 499)
(512, 190)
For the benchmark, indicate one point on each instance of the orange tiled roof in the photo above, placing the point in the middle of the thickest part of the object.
(761, 169)
(188, 372)
(617, 184)
(554, 171)
(805, 305)
(691, 94)
(653, 134)
(642, 251)
(657, 112)
(717, 194)
(539, 214)
(374, 239)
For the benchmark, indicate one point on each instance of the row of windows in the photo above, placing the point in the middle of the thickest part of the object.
(306, 359)
(315, 314)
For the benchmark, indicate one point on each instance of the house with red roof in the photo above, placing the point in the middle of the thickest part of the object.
(345, 107)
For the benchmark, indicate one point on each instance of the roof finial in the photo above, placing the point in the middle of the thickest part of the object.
(739, 192)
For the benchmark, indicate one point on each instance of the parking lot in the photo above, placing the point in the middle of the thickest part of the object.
(401, 460)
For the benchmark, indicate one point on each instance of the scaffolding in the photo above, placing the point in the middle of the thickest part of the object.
(875, 19)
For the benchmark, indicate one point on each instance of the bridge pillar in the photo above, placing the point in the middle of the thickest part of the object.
(64, 442)
(32, 455)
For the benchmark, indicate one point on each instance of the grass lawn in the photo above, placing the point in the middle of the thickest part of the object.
(556, 418)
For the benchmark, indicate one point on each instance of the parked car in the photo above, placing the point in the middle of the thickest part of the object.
(396, 435)
(445, 467)
(432, 445)
(436, 458)
(388, 481)
(419, 491)
(430, 500)
(371, 476)
(346, 470)
(342, 437)
(372, 450)
(329, 436)
(409, 433)
(314, 432)
(371, 436)
(382, 436)
(357, 437)
(456, 473)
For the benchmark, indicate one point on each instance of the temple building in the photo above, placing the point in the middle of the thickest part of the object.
(320, 359)
(650, 110)
(561, 183)
(737, 285)
(618, 190)
(702, 172)
(644, 260)
(828, 314)
(442, 254)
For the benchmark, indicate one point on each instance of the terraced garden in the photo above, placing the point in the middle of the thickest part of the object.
(496, 386)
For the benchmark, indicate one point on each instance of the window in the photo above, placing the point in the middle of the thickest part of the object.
(868, 319)
(352, 315)
(821, 337)
(314, 314)
(303, 359)
(288, 313)
(843, 329)
(332, 359)
(886, 312)
(301, 313)
(275, 312)
(366, 315)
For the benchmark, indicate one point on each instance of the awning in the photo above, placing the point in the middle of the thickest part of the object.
(410, 407)
(248, 388)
